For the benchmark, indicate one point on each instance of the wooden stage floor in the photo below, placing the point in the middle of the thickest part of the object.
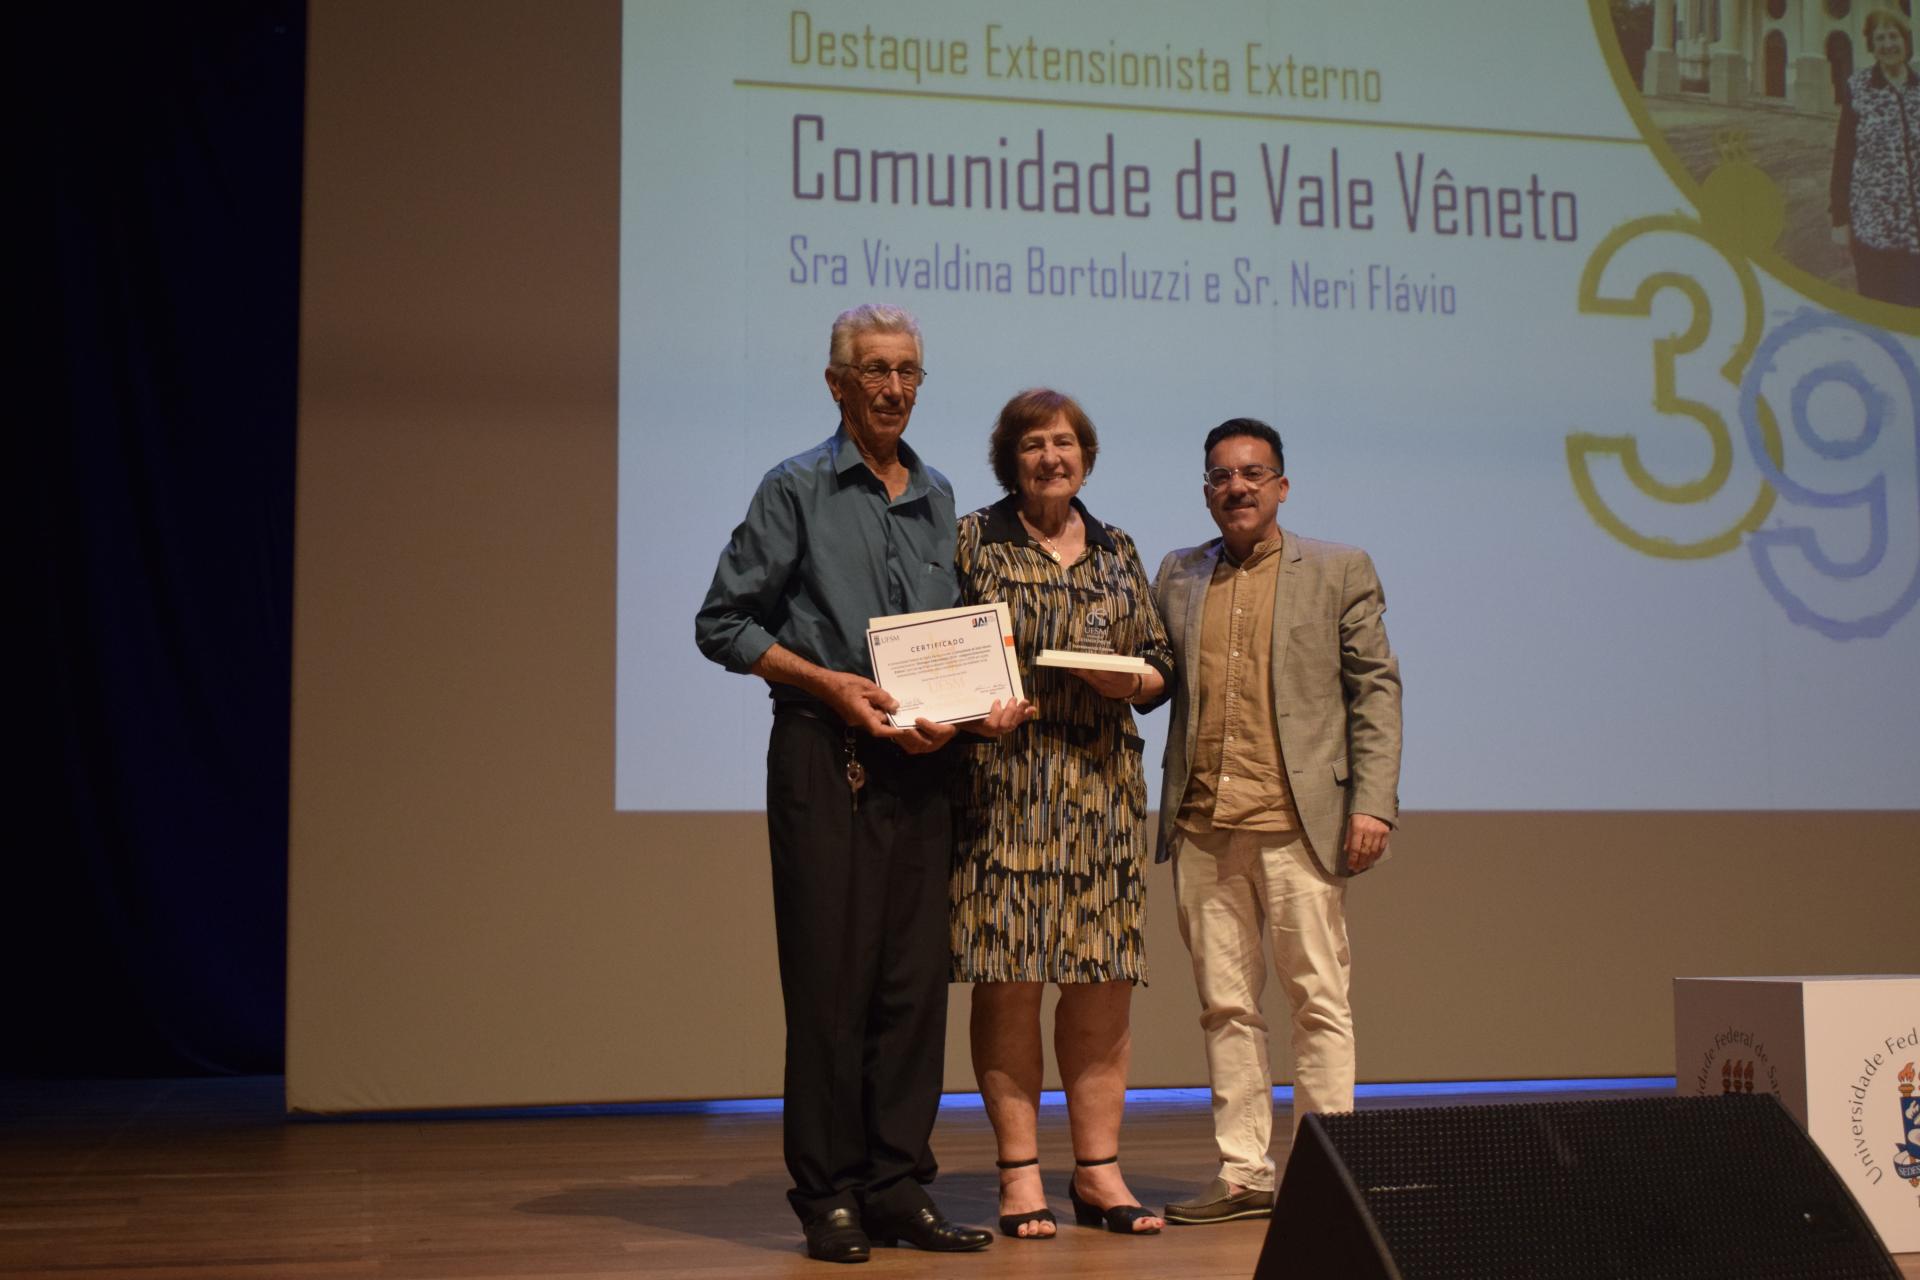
(190, 1179)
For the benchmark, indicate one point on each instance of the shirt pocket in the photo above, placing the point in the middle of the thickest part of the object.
(941, 581)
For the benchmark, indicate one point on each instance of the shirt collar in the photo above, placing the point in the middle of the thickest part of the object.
(847, 458)
(1261, 550)
(1003, 525)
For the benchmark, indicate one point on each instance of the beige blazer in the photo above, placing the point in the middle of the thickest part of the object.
(1336, 687)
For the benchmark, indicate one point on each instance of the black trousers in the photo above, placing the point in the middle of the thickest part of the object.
(860, 909)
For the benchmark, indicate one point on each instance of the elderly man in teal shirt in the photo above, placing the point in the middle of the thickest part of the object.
(857, 527)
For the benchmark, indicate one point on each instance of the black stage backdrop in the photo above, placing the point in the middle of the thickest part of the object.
(144, 915)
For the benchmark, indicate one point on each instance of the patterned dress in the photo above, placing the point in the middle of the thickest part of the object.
(1052, 818)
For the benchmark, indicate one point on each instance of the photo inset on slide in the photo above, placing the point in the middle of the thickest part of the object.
(1797, 123)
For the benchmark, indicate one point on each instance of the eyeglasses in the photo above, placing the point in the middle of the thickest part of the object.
(1253, 473)
(875, 373)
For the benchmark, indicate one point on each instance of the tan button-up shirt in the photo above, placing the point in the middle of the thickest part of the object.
(1239, 778)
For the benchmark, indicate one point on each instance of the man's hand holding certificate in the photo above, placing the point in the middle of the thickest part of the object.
(949, 666)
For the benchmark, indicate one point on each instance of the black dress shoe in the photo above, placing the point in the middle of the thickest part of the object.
(927, 1229)
(836, 1237)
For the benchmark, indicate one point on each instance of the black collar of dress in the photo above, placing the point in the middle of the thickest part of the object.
(1004, 525)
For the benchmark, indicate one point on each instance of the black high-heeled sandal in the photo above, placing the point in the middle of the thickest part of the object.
(1119, 1219)
(1010, 1223)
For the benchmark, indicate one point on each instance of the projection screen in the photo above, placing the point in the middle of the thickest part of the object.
(1626, 442)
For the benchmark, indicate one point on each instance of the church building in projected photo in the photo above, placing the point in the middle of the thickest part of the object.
(1793, 53)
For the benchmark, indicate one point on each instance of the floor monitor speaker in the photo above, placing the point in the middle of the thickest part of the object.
(1689, 1188)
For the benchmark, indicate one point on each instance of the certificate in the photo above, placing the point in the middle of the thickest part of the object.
(946, 665)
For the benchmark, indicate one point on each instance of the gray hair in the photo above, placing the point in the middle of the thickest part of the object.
(871, 317)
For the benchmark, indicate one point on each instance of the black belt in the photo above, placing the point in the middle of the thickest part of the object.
(810, 709)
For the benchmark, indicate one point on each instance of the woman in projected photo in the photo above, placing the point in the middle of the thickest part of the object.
(1875, 193)
(1052, 824)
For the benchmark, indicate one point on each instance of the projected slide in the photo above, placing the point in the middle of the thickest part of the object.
(1546, 301)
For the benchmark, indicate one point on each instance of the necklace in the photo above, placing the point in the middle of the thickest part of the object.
(1045, 541)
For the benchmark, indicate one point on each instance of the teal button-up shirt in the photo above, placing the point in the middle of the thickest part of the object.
(822, 550)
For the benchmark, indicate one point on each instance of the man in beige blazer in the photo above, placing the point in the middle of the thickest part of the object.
(1281, 781)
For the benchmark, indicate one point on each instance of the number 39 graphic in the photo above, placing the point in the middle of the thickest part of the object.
(1857, 573)
(1842, 488)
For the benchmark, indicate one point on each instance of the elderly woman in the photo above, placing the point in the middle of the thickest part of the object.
(1047, 882)
(1874, 197)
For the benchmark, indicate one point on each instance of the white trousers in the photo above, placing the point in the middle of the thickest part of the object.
(1239, 890)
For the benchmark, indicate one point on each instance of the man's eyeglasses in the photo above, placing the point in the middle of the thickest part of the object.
(1253, 473)
(875, 373)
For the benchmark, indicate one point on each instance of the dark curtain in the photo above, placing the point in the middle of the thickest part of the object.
(144, 919)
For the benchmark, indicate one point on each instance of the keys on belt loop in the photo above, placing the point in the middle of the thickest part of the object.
(856, 772)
